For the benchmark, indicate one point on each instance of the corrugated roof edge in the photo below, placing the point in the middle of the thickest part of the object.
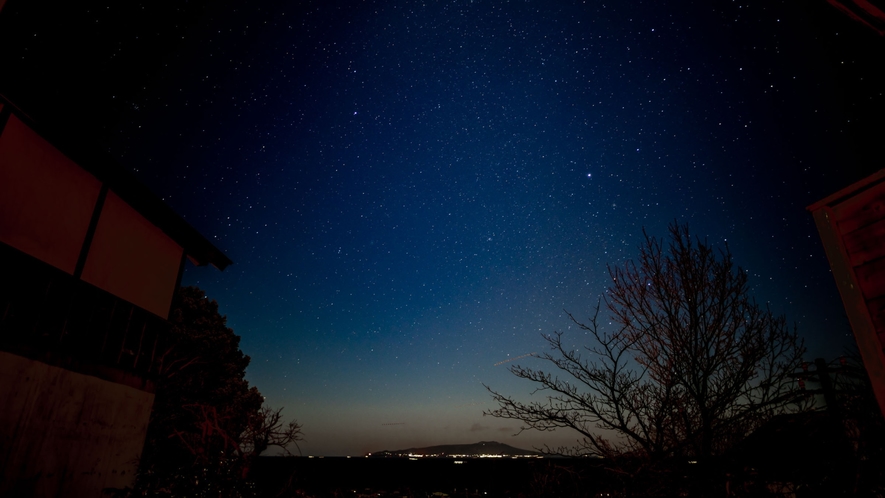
(130, 189)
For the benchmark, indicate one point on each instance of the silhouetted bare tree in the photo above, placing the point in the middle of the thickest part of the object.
(689, 364)
(267, 429)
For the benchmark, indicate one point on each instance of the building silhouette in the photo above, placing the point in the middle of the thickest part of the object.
(90, 262)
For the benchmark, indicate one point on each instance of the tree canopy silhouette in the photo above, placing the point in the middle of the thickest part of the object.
(207, 423)
(688, 365)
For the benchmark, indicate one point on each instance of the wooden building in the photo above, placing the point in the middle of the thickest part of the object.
(851, 224)
(90, 262)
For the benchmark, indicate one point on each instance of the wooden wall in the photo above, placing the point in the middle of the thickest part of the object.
(55, 211)
(851, 224)
(64, 433)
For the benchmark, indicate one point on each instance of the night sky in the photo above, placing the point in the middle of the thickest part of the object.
(412, 193)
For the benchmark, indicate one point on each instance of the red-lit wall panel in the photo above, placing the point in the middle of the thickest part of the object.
(132, 258)
(46, 200)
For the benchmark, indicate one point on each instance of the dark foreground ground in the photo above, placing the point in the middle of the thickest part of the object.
(780, 472)
(488, 478)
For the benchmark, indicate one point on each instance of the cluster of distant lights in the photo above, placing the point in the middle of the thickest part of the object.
(416, 456)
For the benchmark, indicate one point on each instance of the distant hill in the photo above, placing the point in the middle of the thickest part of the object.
(474, 449)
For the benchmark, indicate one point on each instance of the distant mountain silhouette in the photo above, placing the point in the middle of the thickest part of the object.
(474, 449)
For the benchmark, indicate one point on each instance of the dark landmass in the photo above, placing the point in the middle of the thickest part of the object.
(482, 448)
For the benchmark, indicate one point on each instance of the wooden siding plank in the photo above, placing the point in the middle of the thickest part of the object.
(871, 278)
(864, 209)
(866, 244)
(876, 308)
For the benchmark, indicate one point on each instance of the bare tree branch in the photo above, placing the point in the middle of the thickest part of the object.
(691, 365)
(267, 429)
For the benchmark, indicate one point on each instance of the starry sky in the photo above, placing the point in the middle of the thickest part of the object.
(413, 192)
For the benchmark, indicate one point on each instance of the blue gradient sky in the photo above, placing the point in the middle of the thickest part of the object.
(412, 193)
